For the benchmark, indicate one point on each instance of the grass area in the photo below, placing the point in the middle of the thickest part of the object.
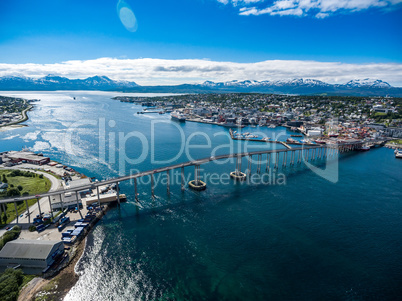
(396, 141)
(26, 279)
(29, 186)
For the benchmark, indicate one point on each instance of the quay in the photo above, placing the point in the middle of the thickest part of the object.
(267, 140)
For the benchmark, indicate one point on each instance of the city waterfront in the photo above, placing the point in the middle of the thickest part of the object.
(307, 238)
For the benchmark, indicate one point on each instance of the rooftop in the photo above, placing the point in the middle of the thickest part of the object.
(23, 248)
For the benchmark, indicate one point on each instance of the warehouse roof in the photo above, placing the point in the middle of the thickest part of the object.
(30, 249)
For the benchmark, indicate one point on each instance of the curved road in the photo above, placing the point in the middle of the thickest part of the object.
(34, 210)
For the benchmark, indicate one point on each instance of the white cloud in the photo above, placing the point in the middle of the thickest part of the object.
(149, 71)
(317, 8)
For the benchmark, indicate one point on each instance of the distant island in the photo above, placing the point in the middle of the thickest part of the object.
(299, 86)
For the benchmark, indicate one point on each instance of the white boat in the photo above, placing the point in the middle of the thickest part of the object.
(398, 154)
(365, 148)
(176, 115)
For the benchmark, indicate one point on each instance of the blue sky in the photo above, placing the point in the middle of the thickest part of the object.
(350, 32)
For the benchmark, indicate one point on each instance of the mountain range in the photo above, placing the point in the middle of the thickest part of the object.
(359, 87)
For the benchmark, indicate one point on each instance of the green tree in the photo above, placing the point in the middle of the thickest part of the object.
(4, 218)
(19, 187)
(10, 282)
(13, 192)
(4, 179)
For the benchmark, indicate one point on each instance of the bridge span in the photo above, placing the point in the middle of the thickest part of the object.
(296, 156)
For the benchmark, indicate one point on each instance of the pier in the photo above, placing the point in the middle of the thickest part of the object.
(265, 140)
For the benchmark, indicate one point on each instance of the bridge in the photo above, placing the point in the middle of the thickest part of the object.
(272, 159)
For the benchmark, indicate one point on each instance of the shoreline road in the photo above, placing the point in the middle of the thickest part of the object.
(34, 210)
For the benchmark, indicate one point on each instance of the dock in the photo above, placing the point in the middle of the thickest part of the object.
(269, 141)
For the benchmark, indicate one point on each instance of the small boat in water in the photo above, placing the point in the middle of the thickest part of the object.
(290, 140)
(398, 154)
(296, 135)
(365, 148)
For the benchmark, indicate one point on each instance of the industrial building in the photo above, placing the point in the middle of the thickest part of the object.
(30, 253)
(27, 157)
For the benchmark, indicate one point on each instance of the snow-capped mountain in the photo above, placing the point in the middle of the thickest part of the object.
(365, 87)
(253, 83)
(367, 82)
(54, 82)
(304, 86)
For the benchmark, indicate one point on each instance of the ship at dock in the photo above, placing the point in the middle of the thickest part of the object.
(178, 116)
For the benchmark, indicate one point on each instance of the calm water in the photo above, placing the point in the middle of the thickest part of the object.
(310, 239)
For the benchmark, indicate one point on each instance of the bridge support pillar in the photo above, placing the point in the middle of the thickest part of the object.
(78, 205)
(16, 211)
(268, 162)
(168, 181)
(276, 161)
(249, 166)
(40, 211)
(98, 195)
(285, 159)
(61, 201)
(135, 190)
(29, 215)
(182, 178)
(118, 193)
(238, 175)
(50, 206)
(197, 184)
(152, 186)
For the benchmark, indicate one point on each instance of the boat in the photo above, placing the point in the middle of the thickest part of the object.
(320, 141)
(272, 126)
(365, 148)
(290, 140)
(333, 135)
(296, 135)
(398, 154)
(265, 139)
(176, 115)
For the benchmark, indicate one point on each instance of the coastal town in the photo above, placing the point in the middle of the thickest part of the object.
(313, 116)
(13, 110)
